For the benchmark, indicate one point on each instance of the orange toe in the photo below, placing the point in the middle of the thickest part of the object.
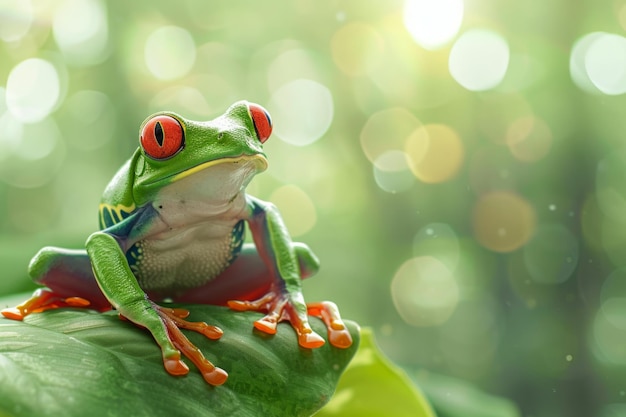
(310, 340)
(215, 377)
(13, 313)
(174, 366)
(265, 325)
(340, 338)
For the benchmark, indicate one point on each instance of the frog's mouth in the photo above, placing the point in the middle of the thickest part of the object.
(208, 189)
(259, 160)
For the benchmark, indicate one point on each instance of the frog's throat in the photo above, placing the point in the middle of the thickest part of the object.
(259, 159)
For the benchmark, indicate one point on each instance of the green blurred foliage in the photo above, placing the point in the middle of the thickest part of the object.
(463, 185)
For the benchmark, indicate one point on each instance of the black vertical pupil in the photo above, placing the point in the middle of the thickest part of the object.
(158, 133)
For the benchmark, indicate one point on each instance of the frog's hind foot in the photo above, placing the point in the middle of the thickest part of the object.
(278, 307)
(174, 319)
(43, 299)
(338, 334)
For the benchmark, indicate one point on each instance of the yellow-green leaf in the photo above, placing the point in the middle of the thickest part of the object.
(373, 387)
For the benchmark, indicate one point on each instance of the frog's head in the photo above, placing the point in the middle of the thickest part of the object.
(227, 150)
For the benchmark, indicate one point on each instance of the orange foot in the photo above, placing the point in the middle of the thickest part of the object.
(279, 307)
(174, 320)
(338, 334)
(42, 300)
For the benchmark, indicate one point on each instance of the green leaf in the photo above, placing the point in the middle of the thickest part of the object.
(74, 362)
(453, 397)
(373, 387)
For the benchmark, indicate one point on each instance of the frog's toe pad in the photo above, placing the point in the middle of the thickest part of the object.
(212, 332)
(310, 340)
(266, 325)
(77, 302)
(339, 338)
(174, 366)
(13, 313)
(238, 305)
(338, 334)
(215, 377)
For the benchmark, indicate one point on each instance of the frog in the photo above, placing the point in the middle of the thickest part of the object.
(172, 225)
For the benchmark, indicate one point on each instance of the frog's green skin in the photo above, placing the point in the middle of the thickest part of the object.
(172, 228)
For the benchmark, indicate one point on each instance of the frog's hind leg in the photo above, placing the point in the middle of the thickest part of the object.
(247, 278)
(69, 279)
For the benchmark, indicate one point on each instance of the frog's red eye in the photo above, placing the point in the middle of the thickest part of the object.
(262, 121)
(162, 137)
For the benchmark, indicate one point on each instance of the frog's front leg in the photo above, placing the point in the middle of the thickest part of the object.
(120, 287)
(284, 300)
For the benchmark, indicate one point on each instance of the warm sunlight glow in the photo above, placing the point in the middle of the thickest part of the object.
(432, 24)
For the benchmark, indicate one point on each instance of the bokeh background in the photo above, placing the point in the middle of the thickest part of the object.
(458, 166)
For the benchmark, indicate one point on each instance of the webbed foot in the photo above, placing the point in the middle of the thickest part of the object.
(284, 307)
(173, 320)
(338, 334)
(43, 299)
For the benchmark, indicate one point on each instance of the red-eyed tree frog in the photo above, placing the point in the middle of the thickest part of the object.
(172, 224)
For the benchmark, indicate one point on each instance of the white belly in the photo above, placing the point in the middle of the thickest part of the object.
(197, 230)
(186, 260)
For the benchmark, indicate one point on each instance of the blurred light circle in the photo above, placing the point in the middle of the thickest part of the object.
(17, 18)
(551, 256)
(37, 156)
(577, 65)
(609, 340)
(3, 100)
(10, 135)
(424, 291)
(356, 48)
(170, 52)
(435, 153)
(93, 119)
(503, 221)
(296, 208)
(387, 130)
(479, 59)
(33, 90)
(613, 298)
(292, 64)
(605, 62)
(80, 30)
(35, 144)
(529, 138)
(440, 241)
(432, 24)
(591, 222)
(392, 173)
(302, 111)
